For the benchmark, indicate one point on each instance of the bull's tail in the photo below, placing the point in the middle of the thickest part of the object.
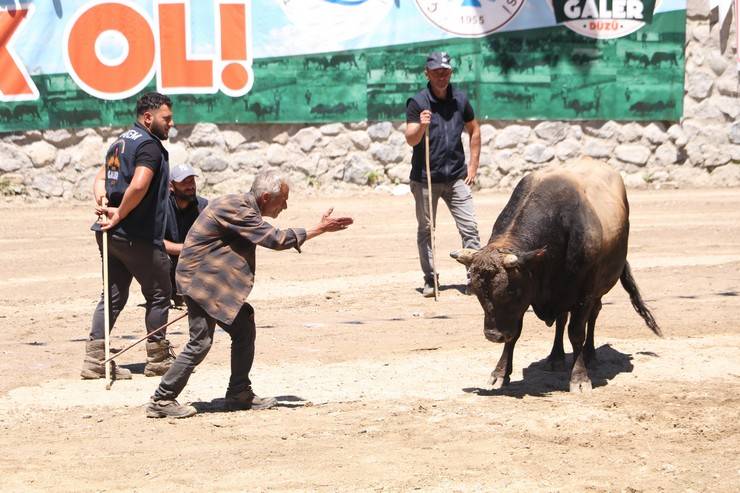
(629, 285)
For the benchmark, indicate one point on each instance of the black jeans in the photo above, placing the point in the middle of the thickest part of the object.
(150, 266)
(202, 326)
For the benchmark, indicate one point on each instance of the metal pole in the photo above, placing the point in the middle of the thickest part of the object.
(111, 358)
(431, 213)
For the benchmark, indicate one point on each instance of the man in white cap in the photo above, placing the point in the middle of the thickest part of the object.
(182, 210)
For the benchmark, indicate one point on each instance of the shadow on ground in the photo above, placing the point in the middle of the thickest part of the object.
(220, 405)
(538, 381)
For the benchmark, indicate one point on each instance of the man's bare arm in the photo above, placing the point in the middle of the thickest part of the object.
(473, 129)
(172, 248)
(99, 186)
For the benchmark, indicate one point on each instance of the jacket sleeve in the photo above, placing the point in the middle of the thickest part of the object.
(248, 224)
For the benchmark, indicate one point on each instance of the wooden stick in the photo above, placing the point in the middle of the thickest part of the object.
(106, 312)
(431, 213)
(111, 358)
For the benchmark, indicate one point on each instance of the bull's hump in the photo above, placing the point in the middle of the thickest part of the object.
(599, 187)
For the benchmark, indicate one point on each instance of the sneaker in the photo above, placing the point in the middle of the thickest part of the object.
(246, 399)
(168, 409)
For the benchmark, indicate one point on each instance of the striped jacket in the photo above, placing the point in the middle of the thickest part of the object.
(217, 263)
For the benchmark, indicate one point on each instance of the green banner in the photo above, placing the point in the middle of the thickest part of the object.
(549, 73)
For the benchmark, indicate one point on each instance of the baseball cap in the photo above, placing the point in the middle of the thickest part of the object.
(181, 171)
(438, 59)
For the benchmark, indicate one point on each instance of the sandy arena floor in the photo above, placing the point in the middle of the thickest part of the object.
(381, 389)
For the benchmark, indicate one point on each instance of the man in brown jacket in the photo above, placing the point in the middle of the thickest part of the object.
(215, 274)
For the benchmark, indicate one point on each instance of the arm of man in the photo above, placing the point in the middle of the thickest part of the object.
(417, 122)
(252, 227)
(172, 248)
(473, 129)
(99, 186)
(329, 224)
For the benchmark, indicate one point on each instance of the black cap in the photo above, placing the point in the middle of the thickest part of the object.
(438, 59)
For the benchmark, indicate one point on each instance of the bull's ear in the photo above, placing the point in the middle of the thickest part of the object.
(464, 255)
(532, 257)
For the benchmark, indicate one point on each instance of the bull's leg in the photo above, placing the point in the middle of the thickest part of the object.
(556, 360)
(589, 351)
(579, 380)
(501, 376)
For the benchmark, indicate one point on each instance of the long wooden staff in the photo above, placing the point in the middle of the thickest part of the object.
(431, 213)
(106, 314)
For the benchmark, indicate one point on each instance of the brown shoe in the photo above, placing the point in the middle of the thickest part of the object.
(92, 366)
(168, 409)
(159, 358)
(246, 399)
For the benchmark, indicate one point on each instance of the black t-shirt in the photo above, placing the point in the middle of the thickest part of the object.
(413, 112)
(149, 155)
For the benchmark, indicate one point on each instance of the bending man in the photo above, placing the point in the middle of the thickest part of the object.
(215, 274)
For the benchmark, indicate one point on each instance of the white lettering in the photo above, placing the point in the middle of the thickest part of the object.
(572, 9)
(131, 135)
(619, 9)
(604, 12)
(590, 10)
(634, 9)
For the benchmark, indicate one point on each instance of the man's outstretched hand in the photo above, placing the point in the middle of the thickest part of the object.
(329, 224)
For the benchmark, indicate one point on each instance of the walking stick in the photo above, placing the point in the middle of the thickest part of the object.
(431, 213)
(111, 358)
(106, 314)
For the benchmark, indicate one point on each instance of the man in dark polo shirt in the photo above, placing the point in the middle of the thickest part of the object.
(131, 192)
(183, 209)
(446, 112)
(216, 274)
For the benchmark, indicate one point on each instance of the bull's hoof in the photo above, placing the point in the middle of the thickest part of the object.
(555, 364)
(497, 381)
(582, 387)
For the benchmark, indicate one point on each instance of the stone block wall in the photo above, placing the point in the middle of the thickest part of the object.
(702, 150)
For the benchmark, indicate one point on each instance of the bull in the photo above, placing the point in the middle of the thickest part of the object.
(559, 245)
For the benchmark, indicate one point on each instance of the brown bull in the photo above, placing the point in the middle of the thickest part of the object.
(559, 245)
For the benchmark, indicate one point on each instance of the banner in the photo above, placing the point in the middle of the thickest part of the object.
(82, 63)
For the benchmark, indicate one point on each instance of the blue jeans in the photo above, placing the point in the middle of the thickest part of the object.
(456, 194)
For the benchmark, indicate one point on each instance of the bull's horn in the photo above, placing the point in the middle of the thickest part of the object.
(510, 260)
(464, 255)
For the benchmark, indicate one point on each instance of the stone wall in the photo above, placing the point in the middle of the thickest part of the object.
(701, 150)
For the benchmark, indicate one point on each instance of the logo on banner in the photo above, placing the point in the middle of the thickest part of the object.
(470, 18)
(604, 19)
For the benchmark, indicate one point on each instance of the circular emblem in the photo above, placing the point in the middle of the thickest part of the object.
(470, 18)
(620, 20)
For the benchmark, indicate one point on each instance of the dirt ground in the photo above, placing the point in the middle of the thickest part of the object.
(379, 388)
